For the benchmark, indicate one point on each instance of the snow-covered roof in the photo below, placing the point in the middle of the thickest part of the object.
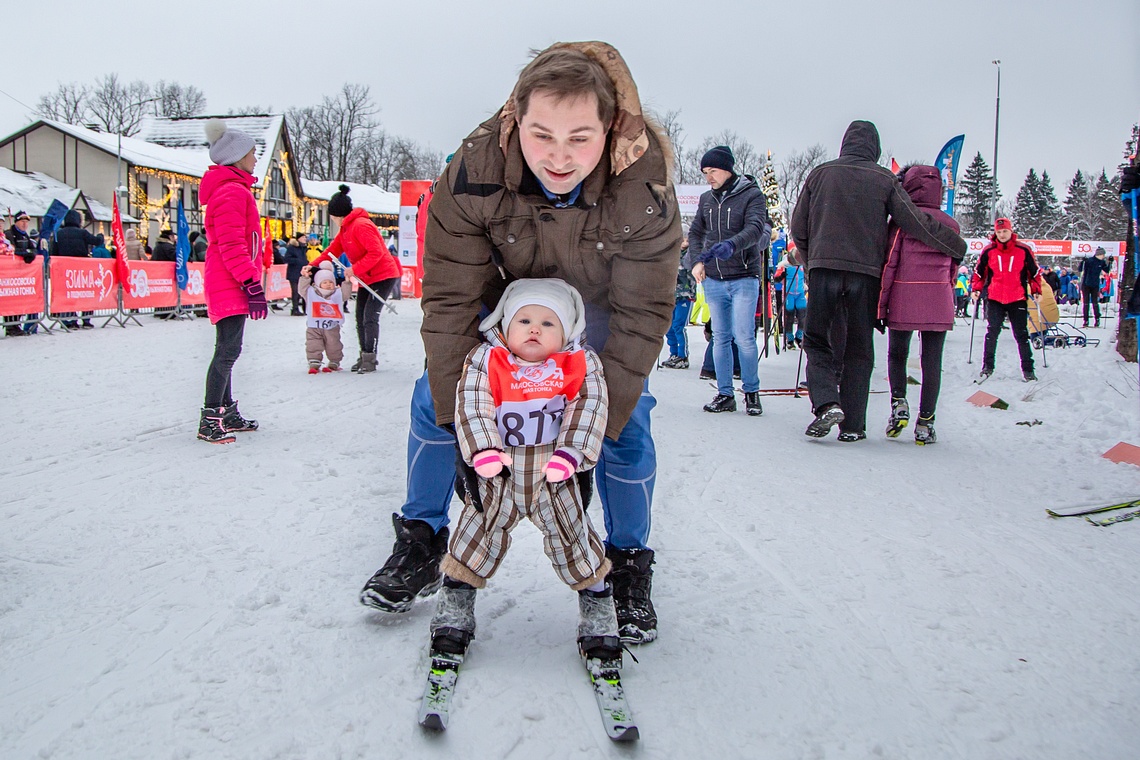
(33, 192)
(179, 145)
(371, 198)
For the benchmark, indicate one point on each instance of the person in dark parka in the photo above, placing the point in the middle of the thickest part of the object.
(164, 249)
(839, 227)
(295, 259)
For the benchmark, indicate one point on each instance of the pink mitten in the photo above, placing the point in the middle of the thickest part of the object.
(561, 466)
(489, 462)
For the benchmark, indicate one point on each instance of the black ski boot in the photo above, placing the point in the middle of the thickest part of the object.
(211, 428)
(597, 625)
(411, 571)
(233, 422)
(924, 431)
(453, 625)
(632, 580)
(900, 417)
(826, 417)
(752, 404)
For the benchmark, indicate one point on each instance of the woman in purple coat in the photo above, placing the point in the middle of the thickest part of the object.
(917, 294)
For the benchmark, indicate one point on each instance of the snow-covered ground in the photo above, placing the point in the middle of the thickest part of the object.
(163, 598)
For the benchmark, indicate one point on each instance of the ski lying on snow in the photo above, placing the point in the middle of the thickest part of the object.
(436, 705)
(617, 718)
(1114, 519)
(1081, 511)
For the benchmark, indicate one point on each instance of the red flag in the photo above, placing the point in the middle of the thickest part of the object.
(894, 166)
(267, 253)
(122, 269)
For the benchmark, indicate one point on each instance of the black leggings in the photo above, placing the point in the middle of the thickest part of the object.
(368, 313)
(898, 350)
(1018, 314)
(227, 349)
(1091, 297)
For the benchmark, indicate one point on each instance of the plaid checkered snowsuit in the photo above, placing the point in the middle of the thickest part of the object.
(481, 538)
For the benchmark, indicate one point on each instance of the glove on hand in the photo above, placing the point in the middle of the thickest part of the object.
(258, 308)
(561, 466)
(881, 326)
(29, 258)
(489, 462)
(722, 250)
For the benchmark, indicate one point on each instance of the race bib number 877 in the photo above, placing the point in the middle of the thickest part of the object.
(532, 422)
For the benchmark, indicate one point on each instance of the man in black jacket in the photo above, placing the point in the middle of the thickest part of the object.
(72, 240)
(295, 260)
(164, 249)
(840, 230)
(728, 240)
(1092, 268)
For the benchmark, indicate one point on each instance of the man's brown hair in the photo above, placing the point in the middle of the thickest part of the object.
(566, 74)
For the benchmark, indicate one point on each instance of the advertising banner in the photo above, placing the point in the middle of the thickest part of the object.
(410, 283)
(82, 284)
(195, 292)
(688, 196)
(21, 286)
(276, 286)
(947, 166)
(408, 246)
(1077, 248)
(150, 285)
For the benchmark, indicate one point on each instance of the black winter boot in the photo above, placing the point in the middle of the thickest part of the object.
(721, 403)
(411, 571)
(632, 580)
(211, 428)
(752, 404)
(233, 422)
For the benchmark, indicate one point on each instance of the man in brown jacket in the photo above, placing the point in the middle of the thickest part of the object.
(567, 180)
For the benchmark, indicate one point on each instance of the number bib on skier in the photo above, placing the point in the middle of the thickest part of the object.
(324, 313)
(530, 400)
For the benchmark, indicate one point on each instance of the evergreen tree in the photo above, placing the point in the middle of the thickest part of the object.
(1050, 221)
(1025, 209)
(1111, 218)
(973, 197)
(1080, 214)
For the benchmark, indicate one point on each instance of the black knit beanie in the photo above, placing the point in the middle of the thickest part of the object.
(340, 204)
(719, 157)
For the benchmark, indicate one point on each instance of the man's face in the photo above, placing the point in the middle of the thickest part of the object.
(562, 141)
(302, 240)
(1003, 235)
(23, 225)
(715, 177)
(535, 332)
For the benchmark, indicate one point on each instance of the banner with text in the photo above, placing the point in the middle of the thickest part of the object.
(21, 286)
(82, 284)
(1073, 248)
(276, 285)
(150, 285)
(688, 196)
(195, 292)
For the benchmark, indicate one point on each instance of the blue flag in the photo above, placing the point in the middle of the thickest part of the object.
(49, 223)
(182, 249)
(947, 166)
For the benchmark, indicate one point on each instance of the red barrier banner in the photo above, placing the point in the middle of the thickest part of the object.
(276, 286)
(21, 286)
(82, 284)
(195, 292)
(410, 283)
(151, 285)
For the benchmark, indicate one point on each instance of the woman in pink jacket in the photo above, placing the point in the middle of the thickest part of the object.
(233, 274)
(372, 264)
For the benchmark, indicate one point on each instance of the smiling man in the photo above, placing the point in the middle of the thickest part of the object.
(567, 180)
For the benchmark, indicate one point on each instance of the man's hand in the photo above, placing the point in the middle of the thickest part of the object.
(974, 296)
(699, 272)
(306, 271)
(348, 274)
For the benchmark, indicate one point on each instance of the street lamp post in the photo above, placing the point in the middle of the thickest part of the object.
(997, 115)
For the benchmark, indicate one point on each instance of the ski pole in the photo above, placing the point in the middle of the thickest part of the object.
(977, 307)
(798, 365)
(337, 263)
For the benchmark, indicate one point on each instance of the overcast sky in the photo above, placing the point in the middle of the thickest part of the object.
(784, 75)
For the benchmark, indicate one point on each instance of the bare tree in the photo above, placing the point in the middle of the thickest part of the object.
(684, 172)
(251, 110)
(117, 107)
(176, 101)
(67, 104)
(748, 159)
(793, 173)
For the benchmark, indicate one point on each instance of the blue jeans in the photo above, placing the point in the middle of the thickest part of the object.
(624, 477)
(732, 307)
(678, 340)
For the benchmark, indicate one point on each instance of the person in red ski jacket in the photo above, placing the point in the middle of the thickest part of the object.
(372, 264)
(233, 271)
(1006, 271)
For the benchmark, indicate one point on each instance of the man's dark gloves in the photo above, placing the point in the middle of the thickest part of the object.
(721, 251)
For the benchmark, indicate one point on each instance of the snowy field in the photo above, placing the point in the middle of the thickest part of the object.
(163, 598)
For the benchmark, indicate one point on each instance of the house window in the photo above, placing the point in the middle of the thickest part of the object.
(276, 185)
(193, 197)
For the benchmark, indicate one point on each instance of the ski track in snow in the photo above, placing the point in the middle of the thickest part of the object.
(161, 598)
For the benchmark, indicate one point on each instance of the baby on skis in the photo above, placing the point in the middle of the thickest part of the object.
(530, 414)
(324, 312)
